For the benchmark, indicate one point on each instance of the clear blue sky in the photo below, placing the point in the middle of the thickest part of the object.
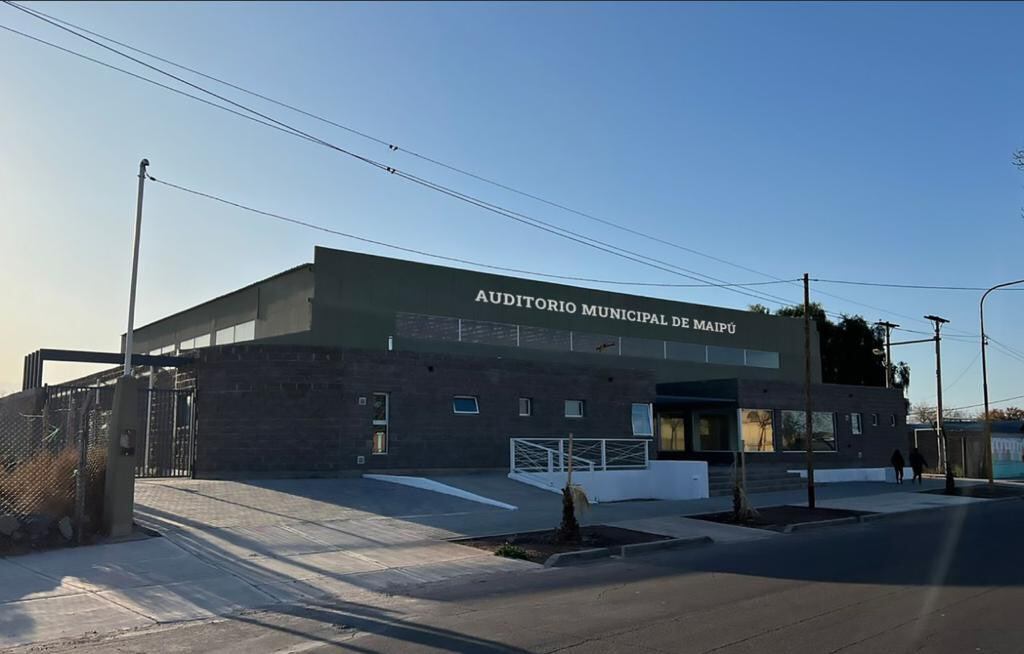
(857, 141)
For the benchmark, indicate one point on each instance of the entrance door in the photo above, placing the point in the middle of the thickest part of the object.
(672, 432)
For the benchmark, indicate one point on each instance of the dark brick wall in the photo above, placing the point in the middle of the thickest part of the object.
(293, 410)
(872, 448)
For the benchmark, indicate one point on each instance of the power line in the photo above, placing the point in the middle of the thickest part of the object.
(65, 25)
(908, 286)
(289, 129)
(974, 406)
(310, 225)
(507, 213)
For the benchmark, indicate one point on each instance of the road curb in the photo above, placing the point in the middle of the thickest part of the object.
(872, 517)
(569, 558)
(669, 544)
(800, 526)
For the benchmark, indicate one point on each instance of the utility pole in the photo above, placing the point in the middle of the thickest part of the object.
(808, 429)
(939, 322)
(129, 336)
(984, 380)
(888, 351)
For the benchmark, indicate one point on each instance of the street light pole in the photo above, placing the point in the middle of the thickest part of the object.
(129, 336)
(984, 379)
(950, 484)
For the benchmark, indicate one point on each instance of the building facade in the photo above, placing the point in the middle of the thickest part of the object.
(364, 362)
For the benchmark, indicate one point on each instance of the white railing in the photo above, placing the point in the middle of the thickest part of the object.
(588, 454)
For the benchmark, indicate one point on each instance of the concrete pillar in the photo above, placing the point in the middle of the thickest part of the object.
(119, 493)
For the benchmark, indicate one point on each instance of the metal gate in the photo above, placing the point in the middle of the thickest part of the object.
(166, 419)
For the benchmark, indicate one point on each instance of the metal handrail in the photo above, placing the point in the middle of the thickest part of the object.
(609, 454)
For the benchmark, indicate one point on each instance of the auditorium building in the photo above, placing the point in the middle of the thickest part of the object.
(357, 363)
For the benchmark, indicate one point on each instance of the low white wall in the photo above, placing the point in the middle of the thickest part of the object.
(835, 475)
(437, 487)
(661, 480)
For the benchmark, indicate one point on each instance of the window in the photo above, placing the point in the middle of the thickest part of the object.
(202, 341)
(672, 430)
(187, 344)
(856, 424)
(823, 431)
(574, 408)
(225, 336)
(713, 432)
(759, 359)
(381, 415)
(245, 331)
(465, 404)
(874, 419)
(725, 355)
(642, 422)
(758, 434)
(525, 406)
(892, 420)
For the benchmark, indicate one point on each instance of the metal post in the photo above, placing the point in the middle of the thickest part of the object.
(604, 455)
(129, 336)
(149, 420)
(808, 430)
(950, 484)
(989, 459)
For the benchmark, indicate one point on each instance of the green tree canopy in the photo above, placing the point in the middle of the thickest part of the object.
(847, 348)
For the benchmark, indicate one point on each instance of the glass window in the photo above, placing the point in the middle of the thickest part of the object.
(856, 425)
(202, 341)
(574, 408)
(225, 336)
(686, 352)
(713, 432)
(380, 408)
(641, 417)
(187, 344)
(245, 331)
(758, 434)
(380, 440)
(874, 419)
(381, 413)
(759, 359)
(465, 404)
(892, 420)
(672, 430)
(525, 406)
(725, 355)
(823, 431)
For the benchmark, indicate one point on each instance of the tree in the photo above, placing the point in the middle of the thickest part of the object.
(759, 308)
(847, 348)
(1009, 413)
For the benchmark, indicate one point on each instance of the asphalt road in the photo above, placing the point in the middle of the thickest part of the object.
(948, 580)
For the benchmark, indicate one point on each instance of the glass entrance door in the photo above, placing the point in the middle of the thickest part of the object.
(672, 432)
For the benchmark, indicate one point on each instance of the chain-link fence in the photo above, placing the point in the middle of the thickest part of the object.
(53, 444)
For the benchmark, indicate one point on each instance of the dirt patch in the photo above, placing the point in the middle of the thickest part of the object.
(993, 491)
(539, 545)
(777, 518)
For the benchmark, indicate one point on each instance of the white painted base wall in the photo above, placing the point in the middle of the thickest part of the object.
(835, 475)
(661, 480)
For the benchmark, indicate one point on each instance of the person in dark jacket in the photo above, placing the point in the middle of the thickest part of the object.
(918, 463)
(898, 463)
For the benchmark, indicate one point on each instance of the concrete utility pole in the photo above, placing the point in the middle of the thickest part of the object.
(939, 322)
(889, 326)
(808, 424)
(129, 336)
(984, 379)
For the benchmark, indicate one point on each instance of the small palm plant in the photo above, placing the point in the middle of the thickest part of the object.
(573, 496)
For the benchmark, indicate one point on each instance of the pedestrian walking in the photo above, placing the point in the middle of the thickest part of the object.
(918, 464)
(898, 463)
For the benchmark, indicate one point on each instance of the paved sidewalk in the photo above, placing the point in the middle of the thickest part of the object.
(229, 546)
